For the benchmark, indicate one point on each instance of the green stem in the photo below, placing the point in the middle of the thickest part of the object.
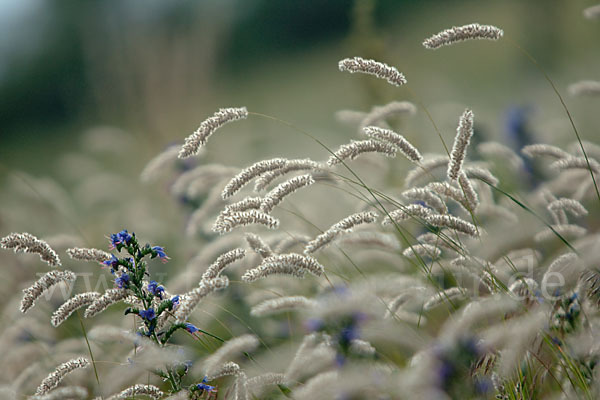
(211, 335)
(89, 347)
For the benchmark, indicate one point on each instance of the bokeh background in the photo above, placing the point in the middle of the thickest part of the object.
(91, 91)
(156, 69)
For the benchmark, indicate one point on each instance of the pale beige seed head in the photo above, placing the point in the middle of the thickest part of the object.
(52, 380)
(281, 304)
(157, 165)
(110, 297)
(138, 389)
(289, 264)
(460, 33)
(464, 132)
(592, 12)
(372, 67)
(339, 228)
(84, 254)
(585, 88)
(251, 172)
(221, 262)
(275, 196)
(358, 147)
(231, 349)
(27, 243)
(243, 218)
(71, 305)
(32, 293)
(208, 127)
(395, 139)
(540, 149)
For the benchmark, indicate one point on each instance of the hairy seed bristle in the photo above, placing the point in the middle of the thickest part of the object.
(343, 226)
(592, 12)
(258, 245)
(27, 243)
(358, 147)
(460, 33)
(372, 67)
(52, 380)
(208, 127)
(155, 166)
(32, 293)
(84, 254)
(451, 222)
(585, 88)
(221, 262)
(110, 297)
(464, 132)
(567, 231)
(379, 114)
(281, 304)
(498, 150)
(275, 196)
(404, 213)
(540, 149)
(289, 264)
(71, 305)
(395, 139)
(291, 165)
(448, 295)
(422, 250)
(251, 172)
(138, 389)
(243, 218)
(190, 300)
(426, 168)
(230, 349)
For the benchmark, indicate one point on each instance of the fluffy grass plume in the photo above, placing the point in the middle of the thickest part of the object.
(464, 132)
(372, 67)
(27, 243)
(460, 33)
(208, 127)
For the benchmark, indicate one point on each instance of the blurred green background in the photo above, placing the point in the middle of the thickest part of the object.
(156, 68)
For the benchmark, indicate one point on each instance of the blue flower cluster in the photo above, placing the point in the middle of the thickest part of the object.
(118, 240)
(156, 289)
(203, 387)
(454, 362)
(131, 273)
(344, 330)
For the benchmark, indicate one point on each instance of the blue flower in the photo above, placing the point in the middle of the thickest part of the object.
(175, 302)
(122, 281)
(203, 386)
(160, 252)
(190, 328)
(348, 334)
(113, 262)
(314, 324)
(148, 314)
(121, 238)
(516, 125)
(483, 385)
(155, 289)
